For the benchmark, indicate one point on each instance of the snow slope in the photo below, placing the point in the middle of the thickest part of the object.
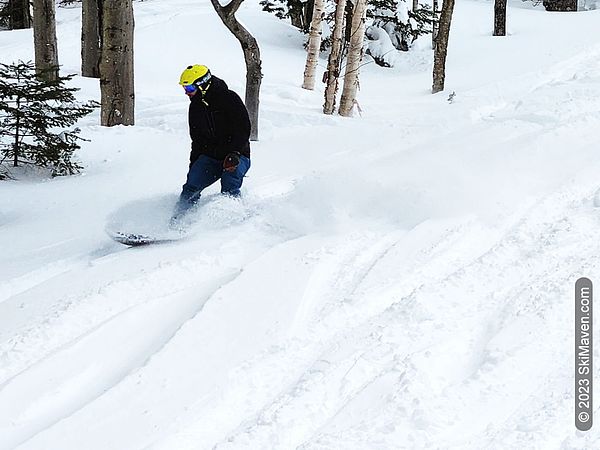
(402, 279)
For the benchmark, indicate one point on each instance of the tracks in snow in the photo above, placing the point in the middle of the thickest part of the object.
(397, 362)
(82, 370)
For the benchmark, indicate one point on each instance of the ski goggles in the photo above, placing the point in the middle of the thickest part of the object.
(190, 88)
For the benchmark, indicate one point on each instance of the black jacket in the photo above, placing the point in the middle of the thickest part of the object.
(219, 123)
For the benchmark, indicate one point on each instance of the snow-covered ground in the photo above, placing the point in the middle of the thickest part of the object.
(403, 279)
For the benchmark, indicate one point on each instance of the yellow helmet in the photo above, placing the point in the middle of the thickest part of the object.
(196, 74)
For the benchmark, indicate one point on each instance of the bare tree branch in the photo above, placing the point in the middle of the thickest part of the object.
(251, 56)
(233, 6)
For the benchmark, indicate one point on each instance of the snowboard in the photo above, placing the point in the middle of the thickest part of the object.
(146, 222)
(138, 240)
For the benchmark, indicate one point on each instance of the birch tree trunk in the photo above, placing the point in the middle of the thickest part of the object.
(19, 16)
(441, 47)
(116, 67)
(91, 37)
(44, 39)
(251, 56)
(500, 18)
(355, 52)
(415, 5)
(335, 58)
(314, 45)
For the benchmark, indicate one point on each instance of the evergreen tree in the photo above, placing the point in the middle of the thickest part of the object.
(35, 116)
(299, 11)
(403, 25)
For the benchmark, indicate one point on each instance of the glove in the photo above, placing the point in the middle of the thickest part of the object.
(231, 162)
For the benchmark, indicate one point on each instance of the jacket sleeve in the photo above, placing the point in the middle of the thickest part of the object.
(240, 124)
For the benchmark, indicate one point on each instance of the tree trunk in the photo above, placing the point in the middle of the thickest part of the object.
(44, 38)
(314, 45)
(308, 12)
(295, 8)
(355, 52)
(415, 5)
(335, 58)
(441, 47)
(116, 67)
(500, 18)
(91, 37)
(251, 57)
(19, 15)
(349, 15)
(435, 27)
(16, 145)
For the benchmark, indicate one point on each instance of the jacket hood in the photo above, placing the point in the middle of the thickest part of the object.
(217, 84)
(217, 87)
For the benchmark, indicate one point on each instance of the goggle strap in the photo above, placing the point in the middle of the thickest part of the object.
(203, 79)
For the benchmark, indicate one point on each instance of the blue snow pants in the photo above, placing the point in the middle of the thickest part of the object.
(206, 171)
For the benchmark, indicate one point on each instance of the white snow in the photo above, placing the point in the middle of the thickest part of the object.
(401, 279)
(379, 45)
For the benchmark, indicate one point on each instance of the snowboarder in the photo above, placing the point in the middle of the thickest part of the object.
(220, 132)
